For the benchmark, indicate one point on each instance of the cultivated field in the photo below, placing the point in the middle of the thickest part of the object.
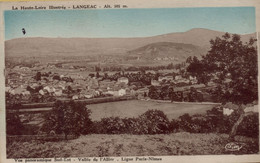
(131, 145)
(134, 108)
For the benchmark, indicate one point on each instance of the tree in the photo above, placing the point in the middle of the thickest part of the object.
(91, 75)
(164, 92)
(97, 75)
(230, 58)
(14, 125)
(171, 93)
(56, 77)
(196, 68)
(38, 76)
(153, 92)
(156, 76)
(97, 68)
(153, 122)
(105, 75)
(68, 118)
(189, 59)
(13, 102)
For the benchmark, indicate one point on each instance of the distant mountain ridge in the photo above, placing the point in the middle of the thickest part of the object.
(38, 46)
(167, 50)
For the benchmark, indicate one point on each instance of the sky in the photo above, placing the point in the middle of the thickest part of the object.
(107, 23)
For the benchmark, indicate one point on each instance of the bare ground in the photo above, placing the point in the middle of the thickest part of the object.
(100, 145)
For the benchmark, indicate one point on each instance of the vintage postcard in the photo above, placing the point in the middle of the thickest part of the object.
(140, 81)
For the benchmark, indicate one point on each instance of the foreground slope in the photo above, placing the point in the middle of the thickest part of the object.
(131, 145)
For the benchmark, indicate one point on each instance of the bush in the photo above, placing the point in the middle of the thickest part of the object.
(14, 125)
(73, 118)
(215, 121)
(228, 122)
(116, 125)
(212, 121)
(113, 125)
(68, 118)
(186, 123)
(174, 125)
(153, 122)
(249, 126)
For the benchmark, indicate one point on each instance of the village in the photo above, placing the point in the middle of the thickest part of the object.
(31, 85)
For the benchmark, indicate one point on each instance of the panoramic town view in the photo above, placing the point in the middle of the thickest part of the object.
(131, 83)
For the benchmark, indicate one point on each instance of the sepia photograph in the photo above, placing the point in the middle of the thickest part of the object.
(136, 83)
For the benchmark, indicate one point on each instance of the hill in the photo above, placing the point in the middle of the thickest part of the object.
(167, 50)
(38, 46)
(197, 36)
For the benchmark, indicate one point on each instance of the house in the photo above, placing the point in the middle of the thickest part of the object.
(47, 88)
(97, 93)
(75, 75)
(227, 111)
(12, 91)
(89, 95)
(62, 87)
(122, 85)
(58, 92)
(167, 78)
(155, 83)
(25, 69)
(109, 92)
(25, 93)
(106, 84)
(143, 91)
(123, 80)
(75, 97)
(41, 92)
(34, 85)
(102, 89)
(19, 90)
(186, 81)
(132, 92)
(80, 81)
(93, 87)
(178, 77)
(228, 108)
(119, 92)
(16, 68)
(253, 108)
(193, 80)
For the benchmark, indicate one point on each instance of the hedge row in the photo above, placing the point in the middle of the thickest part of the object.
(73, 118)
(151, 122)
(156, 122)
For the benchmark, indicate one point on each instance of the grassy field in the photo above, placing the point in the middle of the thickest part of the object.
(134, 108)
(129, 109)
(131, 145)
